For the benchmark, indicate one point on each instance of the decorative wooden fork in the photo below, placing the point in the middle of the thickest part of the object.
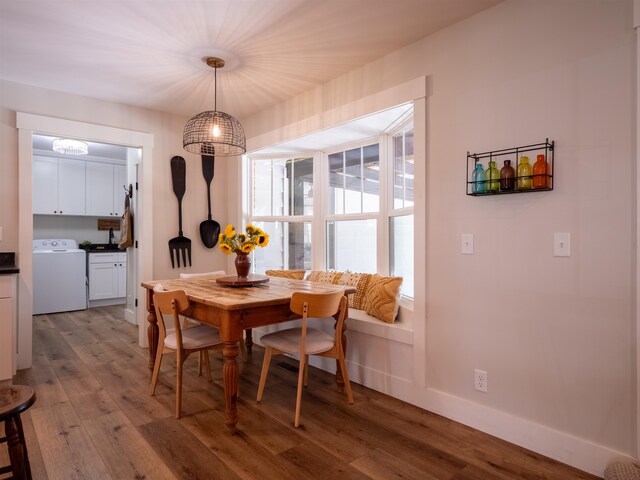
(180, 244)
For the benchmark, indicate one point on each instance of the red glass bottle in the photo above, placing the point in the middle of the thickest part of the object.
(540, 178)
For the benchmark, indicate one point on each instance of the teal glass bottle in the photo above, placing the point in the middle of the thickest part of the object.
(478, 178)
(493, 177)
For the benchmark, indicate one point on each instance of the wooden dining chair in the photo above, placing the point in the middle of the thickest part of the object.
(241, 344)
(309, 341)
(184, 341)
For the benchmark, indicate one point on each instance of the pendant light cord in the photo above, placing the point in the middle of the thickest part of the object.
(215, 89)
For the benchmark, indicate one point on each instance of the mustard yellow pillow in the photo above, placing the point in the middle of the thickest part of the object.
(360, 281)
(382, 297)
(293, 274)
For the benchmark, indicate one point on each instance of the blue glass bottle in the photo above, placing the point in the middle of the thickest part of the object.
(478, 178)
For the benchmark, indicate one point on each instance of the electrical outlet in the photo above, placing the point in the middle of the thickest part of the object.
(480, 383)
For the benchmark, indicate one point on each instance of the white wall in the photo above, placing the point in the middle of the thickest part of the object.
(167, 130)
(554, 334)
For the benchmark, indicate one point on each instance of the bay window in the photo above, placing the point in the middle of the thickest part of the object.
(355, 212)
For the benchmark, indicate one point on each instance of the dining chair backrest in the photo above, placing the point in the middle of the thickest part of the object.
(316, 304)
(170, 302)
(319, 305)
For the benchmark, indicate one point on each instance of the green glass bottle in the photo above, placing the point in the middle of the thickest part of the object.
(524, 174)
(493, 177)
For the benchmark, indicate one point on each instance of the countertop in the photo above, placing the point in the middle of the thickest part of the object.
(8, 263)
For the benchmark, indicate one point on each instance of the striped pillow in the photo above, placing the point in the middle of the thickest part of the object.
(360, 281)
(293, 274)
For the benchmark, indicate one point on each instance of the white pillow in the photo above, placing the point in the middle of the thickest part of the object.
(207, 274)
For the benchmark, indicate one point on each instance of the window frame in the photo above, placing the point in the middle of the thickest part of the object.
(321, 215)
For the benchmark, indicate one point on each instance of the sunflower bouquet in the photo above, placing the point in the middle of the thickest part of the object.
(232, 242)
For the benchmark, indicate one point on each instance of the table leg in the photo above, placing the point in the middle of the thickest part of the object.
(230, 375)
(339, 378)
(152, 330)
(248, 339)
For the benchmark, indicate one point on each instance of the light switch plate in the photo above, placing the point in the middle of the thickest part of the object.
(466, 247)
(0, 234)
(561, 244)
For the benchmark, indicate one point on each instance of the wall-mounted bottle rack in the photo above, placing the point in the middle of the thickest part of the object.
(521, 182)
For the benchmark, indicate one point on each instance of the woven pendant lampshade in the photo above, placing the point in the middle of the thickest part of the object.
(213, 132)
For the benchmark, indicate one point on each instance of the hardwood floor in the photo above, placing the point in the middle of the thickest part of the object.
(94, 419)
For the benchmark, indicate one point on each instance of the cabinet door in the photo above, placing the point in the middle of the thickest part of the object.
(122, 279)
(99, 181)
(71, 186)
(103, 281)
(6, 339)
(45, 185)
(119, 179)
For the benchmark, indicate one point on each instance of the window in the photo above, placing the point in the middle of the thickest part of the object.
(360, 218)
(401, 215)
(282, 198)
(354, 180)
(351, 245)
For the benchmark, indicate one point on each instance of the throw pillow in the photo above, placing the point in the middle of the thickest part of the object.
(320, 276)
(382, 297)
(293, 274)
(360, 281)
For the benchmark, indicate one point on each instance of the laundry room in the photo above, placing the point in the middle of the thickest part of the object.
(83, 211)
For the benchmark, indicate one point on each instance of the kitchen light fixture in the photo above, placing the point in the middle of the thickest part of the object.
(213, 132)
(70, 147)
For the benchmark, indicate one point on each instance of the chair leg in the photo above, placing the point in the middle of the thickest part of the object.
(156, 370)
(200, 354)
(301, 376)
(265, 370)
(207, 365)
(306, 370)
(179, 362)
(243, 350)
(345, 376)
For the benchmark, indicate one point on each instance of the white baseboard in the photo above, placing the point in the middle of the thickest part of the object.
(563, 447)
(130, 316)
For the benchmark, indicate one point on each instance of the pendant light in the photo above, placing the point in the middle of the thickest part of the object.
(213, 132)
(69, 146)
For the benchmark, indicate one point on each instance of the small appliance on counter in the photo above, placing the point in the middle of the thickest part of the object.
(59, 276)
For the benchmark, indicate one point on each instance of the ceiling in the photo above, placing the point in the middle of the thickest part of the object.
(149, 52)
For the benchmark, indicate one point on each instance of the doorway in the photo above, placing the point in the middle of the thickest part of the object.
(28, 125)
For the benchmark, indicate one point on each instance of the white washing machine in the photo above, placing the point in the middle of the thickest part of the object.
(59, 276)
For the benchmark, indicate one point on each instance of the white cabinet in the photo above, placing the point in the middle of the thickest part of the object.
(107, 275)
(58, 186)
(105, 195)
(8, 327)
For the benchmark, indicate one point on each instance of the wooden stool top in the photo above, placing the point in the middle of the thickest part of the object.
(15, 399)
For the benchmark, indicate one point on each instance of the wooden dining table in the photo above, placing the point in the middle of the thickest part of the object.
(234, 310)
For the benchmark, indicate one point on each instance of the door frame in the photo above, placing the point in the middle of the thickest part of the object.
(27, 125)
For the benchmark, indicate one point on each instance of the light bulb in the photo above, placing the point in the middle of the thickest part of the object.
(216, 130)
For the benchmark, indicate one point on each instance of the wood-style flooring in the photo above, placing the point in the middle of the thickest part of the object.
(94, 419)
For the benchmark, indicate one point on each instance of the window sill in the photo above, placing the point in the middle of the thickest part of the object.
(400, 331)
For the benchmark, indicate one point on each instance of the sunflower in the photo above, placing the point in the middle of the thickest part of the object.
(247, 247)
(263, 239)
(226, 249)
(229, 231)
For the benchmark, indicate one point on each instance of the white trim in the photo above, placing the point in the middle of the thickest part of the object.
(27, 125)
(636, 377)
(561, 446)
